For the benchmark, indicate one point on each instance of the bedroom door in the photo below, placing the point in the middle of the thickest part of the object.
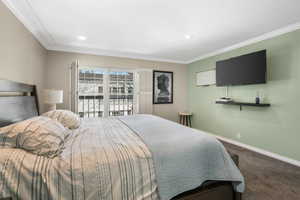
(105, 92)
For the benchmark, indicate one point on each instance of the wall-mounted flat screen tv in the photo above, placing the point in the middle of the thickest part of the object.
(246, 69)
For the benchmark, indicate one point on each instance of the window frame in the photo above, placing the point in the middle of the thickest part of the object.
(106, 87)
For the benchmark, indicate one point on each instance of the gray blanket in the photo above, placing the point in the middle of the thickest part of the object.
(183, 157)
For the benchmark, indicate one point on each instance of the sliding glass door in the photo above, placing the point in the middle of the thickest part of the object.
(105, 92)
(91, 93)
(121, 88)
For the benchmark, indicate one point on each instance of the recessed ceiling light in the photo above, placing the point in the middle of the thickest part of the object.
(80, 37)
(187, 37)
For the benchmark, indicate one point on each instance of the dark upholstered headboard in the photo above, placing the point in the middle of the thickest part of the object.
(18, 102)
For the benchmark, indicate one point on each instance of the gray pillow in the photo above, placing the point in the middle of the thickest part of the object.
(65, 117)
(38, 135)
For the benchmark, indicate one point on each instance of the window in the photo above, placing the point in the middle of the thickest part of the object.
(104, 92)
(120, 93)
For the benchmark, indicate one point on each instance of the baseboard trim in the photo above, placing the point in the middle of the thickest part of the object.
(260, 151)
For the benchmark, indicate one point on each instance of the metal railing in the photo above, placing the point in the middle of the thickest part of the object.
(93, 106)
(103, 93)
(120, 105)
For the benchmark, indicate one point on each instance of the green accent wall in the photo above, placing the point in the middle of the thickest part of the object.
(275, 128)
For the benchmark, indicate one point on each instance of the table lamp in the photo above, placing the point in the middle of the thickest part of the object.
(53, 97)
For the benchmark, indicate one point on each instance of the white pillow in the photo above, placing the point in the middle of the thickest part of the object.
(65, 117)
(38, 135)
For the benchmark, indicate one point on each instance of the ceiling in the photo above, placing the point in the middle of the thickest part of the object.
(164, 30)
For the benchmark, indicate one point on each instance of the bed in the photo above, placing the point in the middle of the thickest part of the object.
(116, 158)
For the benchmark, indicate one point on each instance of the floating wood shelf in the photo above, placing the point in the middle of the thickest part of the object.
(244, 104)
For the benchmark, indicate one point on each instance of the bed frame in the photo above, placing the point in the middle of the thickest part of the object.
(213, 190)
(19, 101)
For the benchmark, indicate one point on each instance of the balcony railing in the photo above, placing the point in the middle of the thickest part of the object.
(104, 92)
(93, 105)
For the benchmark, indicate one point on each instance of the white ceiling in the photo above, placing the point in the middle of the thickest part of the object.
(152, 29)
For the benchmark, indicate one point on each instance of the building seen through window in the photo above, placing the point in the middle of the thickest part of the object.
(100, 91)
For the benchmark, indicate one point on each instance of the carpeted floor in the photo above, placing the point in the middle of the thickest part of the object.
(267, 178)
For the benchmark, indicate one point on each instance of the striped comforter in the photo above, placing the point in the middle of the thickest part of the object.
(103, 159)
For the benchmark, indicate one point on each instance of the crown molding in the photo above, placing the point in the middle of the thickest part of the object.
(100, 52)
(23, 10)
(34, 25)
(260, 38)
(29, 19)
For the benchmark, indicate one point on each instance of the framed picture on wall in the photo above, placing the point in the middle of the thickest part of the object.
(162, 87)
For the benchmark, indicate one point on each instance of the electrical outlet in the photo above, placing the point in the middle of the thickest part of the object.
(238, 135)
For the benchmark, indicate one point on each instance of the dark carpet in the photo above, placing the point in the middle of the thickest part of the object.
(267, 178)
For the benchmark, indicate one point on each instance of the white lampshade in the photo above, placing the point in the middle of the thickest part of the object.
(53, 96)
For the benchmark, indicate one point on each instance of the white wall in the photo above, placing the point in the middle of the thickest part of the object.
(57, 76)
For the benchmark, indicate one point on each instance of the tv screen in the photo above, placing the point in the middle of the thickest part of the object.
(246, 69)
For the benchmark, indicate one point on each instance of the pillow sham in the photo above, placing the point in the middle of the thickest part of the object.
(38, 135)
(67, 118)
